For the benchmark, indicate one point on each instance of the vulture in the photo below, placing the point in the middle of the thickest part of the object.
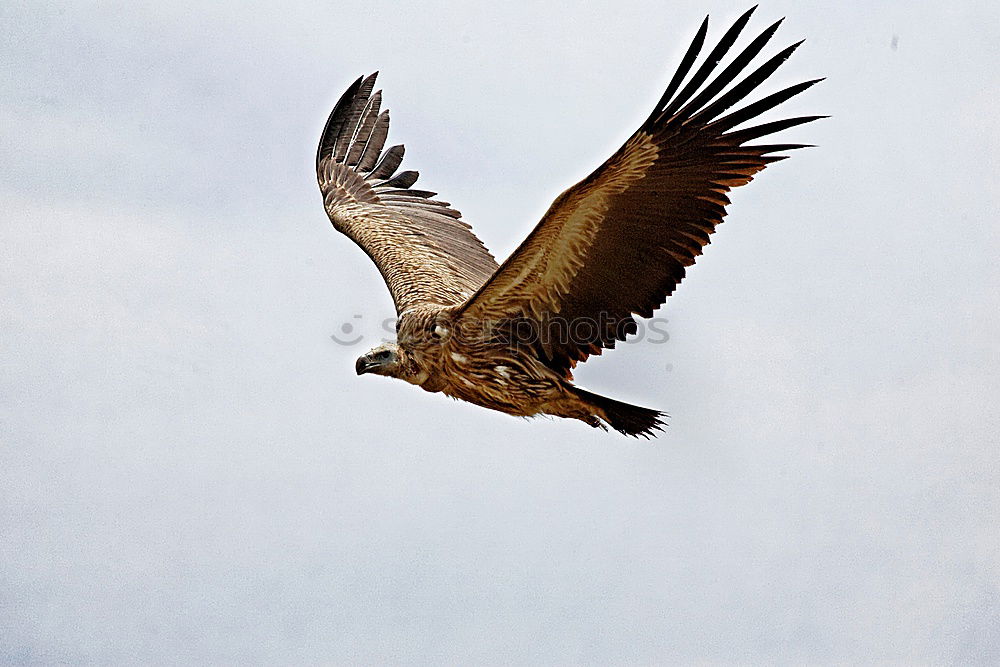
(609, 249)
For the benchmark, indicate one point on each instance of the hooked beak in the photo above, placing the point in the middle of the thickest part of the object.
(364, 364)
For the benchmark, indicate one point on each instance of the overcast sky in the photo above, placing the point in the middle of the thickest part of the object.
(191, 471)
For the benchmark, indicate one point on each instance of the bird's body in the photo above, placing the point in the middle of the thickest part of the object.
(615, 245)
(435, 352)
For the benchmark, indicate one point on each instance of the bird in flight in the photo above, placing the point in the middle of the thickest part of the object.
(612, 247)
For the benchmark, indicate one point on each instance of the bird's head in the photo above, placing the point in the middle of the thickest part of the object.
(392, 361)
(381, 360)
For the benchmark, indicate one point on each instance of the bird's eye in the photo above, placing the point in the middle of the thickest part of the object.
(383, 355)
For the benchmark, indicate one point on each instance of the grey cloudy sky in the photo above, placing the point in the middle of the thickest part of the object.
(190, 471)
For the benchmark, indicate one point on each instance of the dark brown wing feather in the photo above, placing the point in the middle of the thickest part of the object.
(423, 249)
(617, 243)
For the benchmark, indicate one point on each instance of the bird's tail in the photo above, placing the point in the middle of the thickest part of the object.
(622, 417)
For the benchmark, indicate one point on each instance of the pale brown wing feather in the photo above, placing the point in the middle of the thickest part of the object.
(422, 248)
(618, 243)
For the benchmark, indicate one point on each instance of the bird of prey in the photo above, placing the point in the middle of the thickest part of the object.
(612, 247)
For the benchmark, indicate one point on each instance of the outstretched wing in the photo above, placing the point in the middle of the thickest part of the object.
(617, 243)
(423, 249)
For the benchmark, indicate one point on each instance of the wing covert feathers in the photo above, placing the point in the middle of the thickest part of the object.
(424, 251)
(617, 244)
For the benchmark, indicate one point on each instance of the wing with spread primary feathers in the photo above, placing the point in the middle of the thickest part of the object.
(423, 249)
(617, 243)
